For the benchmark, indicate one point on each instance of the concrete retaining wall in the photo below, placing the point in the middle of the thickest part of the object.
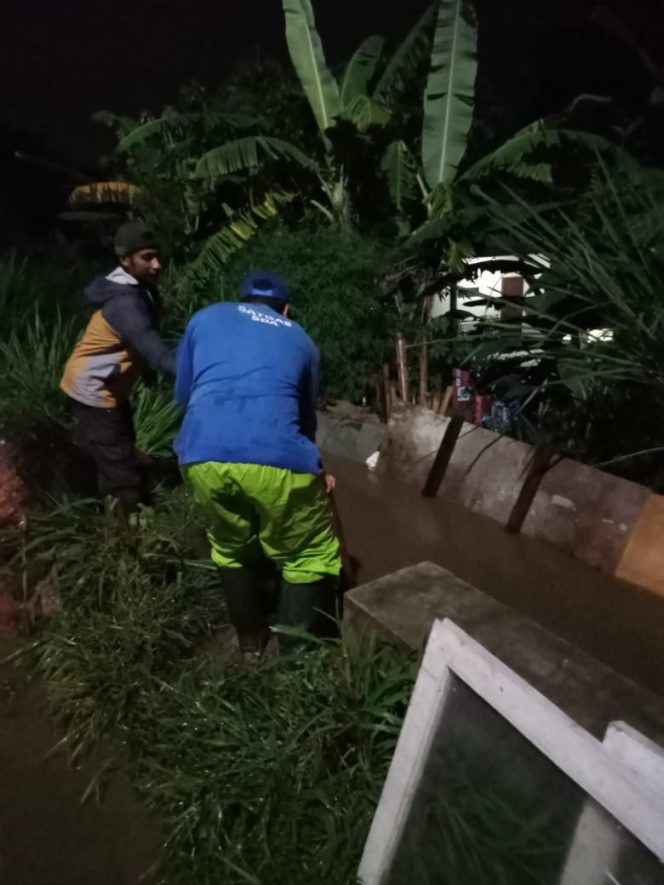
(350, 438)
(402, 606)
(608, 522)
(587, 512)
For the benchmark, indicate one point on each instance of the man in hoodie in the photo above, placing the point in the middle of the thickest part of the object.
(120, 343)
(247, 377)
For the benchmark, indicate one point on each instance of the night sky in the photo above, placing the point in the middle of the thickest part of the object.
(60, 60)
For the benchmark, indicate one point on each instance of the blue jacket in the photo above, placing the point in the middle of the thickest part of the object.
(248, 379)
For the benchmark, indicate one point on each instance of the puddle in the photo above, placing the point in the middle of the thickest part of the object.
(46, 836)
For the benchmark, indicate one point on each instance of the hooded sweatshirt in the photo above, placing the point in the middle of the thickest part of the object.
(120, 341)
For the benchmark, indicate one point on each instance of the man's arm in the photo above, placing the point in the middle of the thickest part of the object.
(184, 375)
(132, 320)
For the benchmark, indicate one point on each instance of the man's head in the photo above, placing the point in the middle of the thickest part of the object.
(265, 287)
(137, 247)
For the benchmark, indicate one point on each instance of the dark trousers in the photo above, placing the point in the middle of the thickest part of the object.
(107, 438)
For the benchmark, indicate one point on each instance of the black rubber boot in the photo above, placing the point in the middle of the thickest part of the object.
(308, 607)
(251, 599)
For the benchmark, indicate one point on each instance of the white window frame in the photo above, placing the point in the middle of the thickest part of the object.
(605, 771)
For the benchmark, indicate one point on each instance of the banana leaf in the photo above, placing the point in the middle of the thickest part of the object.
(306, 52)
(512, 155)
(361, 69)
(399, 168)
(450, 92)
(405, 60)
(249, 153)
(364, 112)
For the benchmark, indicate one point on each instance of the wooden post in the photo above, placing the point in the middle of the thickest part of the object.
(443, 456)
(540, 463)
(402, 368)
(424, 351)
(444, 401)
(424, 372)
(387, 392)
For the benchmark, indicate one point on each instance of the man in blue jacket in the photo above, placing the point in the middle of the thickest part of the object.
(247, 377)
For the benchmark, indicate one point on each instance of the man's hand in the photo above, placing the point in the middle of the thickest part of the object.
(330, 483)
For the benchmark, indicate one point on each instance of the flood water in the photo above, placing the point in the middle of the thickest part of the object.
(47, 837)
(389, 526)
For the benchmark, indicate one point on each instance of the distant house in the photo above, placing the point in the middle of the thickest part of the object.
(485, 293)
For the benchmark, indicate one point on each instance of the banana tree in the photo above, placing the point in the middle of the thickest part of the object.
(363, 96)
(443, 174)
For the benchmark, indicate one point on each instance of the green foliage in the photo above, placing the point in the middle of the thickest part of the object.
(405, 61)
(31, 364)
(450, 92)
(400, 169)
(248, 154)
(306, 52)
(132, 608)
(156, 418)
(361, 69)
(598, 265)
(267, 776)
(280, 779)
(335, 277)
(233, 237)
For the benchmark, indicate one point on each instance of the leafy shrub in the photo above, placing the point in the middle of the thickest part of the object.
(601, 268)
(335, 276)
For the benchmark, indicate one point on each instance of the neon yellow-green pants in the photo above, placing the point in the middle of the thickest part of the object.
(253, 511)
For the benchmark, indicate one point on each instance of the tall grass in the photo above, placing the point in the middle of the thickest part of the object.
(157, 419)
(266, 776)
(276, 777)
(32, 358)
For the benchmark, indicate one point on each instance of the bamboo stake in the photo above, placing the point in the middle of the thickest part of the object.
(402, 368)
(445, 400)
(424, 372)
(387, 392)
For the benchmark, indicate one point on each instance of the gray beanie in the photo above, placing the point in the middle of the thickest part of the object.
(134, 236)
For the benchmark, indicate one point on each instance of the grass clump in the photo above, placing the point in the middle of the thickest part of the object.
(278, 772)
(263, 776)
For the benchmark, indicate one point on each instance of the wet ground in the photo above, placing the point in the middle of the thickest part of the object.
(47, 837)
(388, 526)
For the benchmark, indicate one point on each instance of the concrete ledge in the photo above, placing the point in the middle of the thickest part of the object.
(412, 440)
(486, 472)
(587, 512)
(401, 608)
(642, 561)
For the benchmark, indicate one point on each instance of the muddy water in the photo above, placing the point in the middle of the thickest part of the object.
(46, 836)
(388, 526)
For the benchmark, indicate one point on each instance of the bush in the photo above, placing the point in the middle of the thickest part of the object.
(335, 277)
